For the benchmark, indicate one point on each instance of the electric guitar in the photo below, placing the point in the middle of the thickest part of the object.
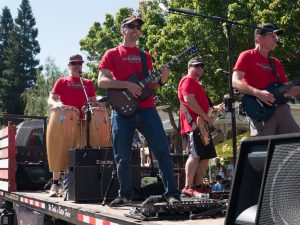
(258, 110)
(204, 129)
(124, 102)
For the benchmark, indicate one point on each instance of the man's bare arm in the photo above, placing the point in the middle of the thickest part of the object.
(105, 80)
(244, 88)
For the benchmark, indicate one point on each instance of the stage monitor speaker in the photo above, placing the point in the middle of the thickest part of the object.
(32, 176)
(265, 188)
(91, 171)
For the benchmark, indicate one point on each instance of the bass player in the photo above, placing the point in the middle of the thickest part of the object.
(193, 97)
(116, 67)
(254, 72)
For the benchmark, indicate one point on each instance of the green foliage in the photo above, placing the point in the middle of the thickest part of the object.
(27, 33)
(19, 63)
(36, 97)
(6, 28)
(284, 15)
(165, 35)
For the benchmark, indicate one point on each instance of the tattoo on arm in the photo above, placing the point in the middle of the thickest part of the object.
(105, 73)
(108, 75)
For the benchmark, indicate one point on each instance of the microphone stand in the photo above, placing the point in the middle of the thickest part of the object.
(228, 26)
(89, 110)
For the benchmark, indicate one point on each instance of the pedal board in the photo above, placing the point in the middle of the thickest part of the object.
(156, 208)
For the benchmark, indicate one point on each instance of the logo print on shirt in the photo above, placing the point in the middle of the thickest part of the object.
(132, 59)
(76, 85)
(265, 67)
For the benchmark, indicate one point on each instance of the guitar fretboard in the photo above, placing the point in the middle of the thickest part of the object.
(289, 85)
(157, 73)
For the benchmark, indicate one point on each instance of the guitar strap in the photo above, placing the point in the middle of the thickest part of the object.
(188, 117)
(272, 63)
(144, 64)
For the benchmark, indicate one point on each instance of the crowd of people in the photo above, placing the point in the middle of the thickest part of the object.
(253, 72)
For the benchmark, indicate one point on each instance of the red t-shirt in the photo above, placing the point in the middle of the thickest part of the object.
(71, 93)
(189, 85)
(257, 69)
(123, 62)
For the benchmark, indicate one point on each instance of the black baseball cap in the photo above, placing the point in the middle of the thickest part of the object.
(196, 61)
(267, 28)
(132, 19)
(76, 58)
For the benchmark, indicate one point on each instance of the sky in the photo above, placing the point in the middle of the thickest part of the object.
(63, 23)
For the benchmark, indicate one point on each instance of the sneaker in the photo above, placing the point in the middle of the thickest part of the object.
(198, 191)
(53, 191)
(187, 191)
(173, 199)
(120, 201)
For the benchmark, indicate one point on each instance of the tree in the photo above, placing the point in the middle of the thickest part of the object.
(36, 97)
(20, 59)
(6, 28)
(25, 26)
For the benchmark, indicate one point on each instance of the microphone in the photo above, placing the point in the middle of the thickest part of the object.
(221, 71)
(163, 7)
(278, 41)
(79, 71)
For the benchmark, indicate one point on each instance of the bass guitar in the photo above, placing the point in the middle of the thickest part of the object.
(258, 110)
(124, 102)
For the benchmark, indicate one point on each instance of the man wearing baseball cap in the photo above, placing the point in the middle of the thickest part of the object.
(68, 91)
(254, 72)
(193, 97)
(116, 67)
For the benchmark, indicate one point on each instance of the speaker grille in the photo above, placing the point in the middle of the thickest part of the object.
(280, 202)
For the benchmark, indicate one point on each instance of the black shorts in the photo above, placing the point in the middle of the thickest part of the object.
(198, 149)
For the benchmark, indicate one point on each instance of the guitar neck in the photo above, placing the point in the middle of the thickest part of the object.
(283, 89)
(157, 73)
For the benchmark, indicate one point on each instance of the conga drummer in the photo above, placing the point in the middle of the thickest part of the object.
(65, 102)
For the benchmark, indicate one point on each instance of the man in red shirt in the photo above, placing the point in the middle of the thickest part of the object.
(192, 95)
(67, 91)
(253, 73)
(116, 66)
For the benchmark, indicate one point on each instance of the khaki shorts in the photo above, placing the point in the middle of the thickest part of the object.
(282, 122)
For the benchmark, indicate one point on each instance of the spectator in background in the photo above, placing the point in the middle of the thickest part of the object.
(217, 169)
(219, 186)
(230, 169)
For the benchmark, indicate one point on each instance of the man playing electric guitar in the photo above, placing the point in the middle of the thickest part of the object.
(193, 97)
(116, 67)
(253, 73)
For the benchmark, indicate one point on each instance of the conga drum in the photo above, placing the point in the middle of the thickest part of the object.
(62, 132)
(100, 129)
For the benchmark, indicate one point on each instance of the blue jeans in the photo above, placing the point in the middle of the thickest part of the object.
(148, 123)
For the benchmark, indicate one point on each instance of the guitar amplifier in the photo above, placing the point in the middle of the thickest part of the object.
(91, 172)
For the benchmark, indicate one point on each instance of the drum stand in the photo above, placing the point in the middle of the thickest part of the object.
(89, 111)
(89, 114)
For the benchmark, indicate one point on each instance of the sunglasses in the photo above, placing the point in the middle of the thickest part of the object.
(199, 66)
(132, 26)
(76, 63)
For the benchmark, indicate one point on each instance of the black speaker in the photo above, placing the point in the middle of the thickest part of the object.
(90, 172)
(265, 188)
(32, 176)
